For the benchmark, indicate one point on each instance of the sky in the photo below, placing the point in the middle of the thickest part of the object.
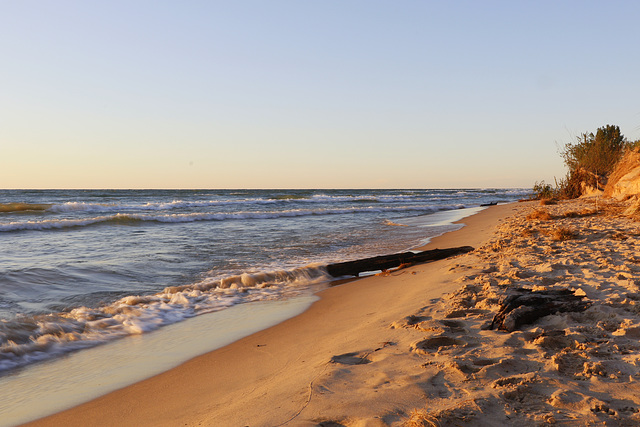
(308, 94)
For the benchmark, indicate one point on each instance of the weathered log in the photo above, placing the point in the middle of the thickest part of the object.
(385, 262)
(525, 306)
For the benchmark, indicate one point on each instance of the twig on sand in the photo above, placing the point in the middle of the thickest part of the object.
(306, 403)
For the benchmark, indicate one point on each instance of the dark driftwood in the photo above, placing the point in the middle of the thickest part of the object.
(385, 262)
(525, 306)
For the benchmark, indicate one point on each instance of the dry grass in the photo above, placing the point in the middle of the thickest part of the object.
(583, 213)
(563, 233)
(571, 214)
(421, 419)
(540, 214)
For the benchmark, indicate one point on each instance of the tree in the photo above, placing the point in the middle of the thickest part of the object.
(594, 156)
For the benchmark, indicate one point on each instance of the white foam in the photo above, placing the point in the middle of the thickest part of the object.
(50, 224)
(59, 384)
(150, 206)
(316, 198)
(32, 338)
(181, 204)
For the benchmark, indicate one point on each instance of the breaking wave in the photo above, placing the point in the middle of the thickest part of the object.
(124, 219)
(27, 339)
(24, 207)
(69, 207)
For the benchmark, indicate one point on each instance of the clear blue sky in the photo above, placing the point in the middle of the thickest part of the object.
(308, 94)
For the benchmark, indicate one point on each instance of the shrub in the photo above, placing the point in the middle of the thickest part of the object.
(572, 185)
(591, 159)
(597, 154)
(541, 190)
(583, 213)
(563, 233)
(540, 214)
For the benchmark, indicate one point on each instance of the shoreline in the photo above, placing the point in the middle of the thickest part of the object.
(256, 361)
(138, 357)
(83, 375)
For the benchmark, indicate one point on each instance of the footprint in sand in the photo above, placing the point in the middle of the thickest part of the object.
(351, 359)
(329, 424)
(454, 326)
(505, 370)
(439, 386)
(515, 380)
(567, 399)
(471, 366)
(436, 344)
(457, 313)
(483, 363)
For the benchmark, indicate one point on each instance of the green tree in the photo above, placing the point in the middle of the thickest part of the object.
(594, 156)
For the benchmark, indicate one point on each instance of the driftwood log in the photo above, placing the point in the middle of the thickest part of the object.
(525, 306)
(385, 262)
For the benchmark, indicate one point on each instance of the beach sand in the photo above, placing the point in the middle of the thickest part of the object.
(412, 346)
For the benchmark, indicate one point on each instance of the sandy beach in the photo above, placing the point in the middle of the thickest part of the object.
(413, 346)
(312, 213)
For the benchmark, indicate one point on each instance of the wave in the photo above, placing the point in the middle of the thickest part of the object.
(125, 219)
(176, 204)
(24, 207)
(394, 224)
(64, 223)
(289, 197)
(89, 207)
(182, 204)
(27, 339)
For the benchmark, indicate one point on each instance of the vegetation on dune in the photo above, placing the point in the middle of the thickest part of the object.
(589, 160)
(563, 233)
(541, 215)
(543, 191)
(596, 154)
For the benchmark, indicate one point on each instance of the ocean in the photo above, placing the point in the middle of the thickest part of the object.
(80, 268)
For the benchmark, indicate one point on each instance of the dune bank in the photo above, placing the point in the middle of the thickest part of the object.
(412, 346)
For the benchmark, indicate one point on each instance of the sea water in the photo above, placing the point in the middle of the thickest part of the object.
(80, 268)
